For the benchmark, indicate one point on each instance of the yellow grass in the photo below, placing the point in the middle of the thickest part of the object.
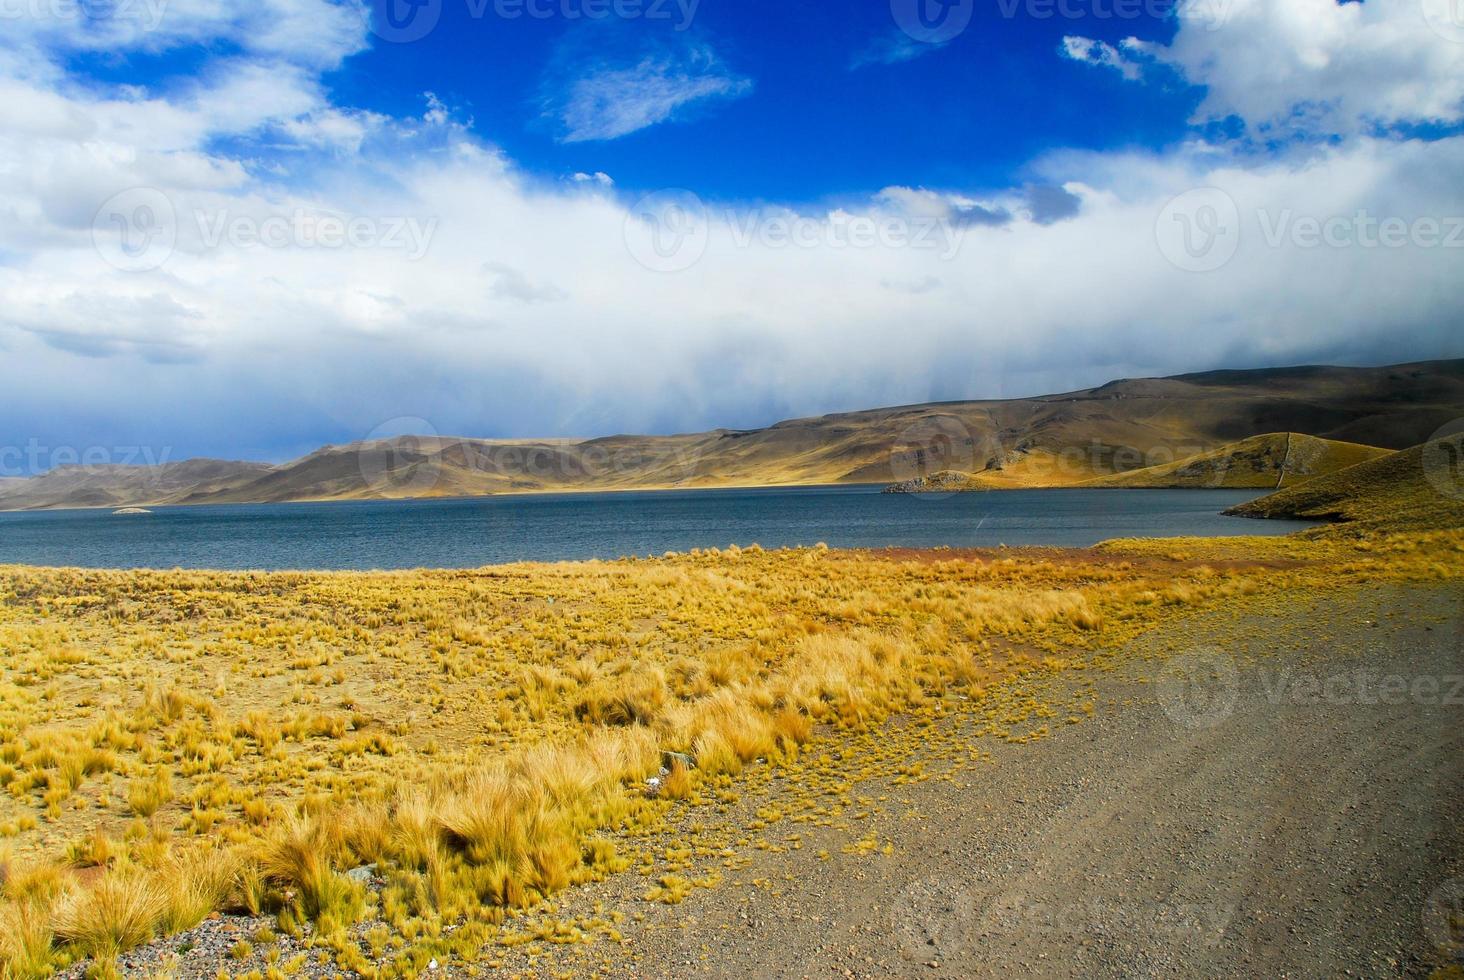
(1264, 462)
(1413, 490)
(175, 743)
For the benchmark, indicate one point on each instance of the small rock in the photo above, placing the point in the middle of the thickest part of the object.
(668, 759)
(363, 874)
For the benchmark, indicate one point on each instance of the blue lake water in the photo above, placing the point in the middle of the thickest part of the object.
(549, 527)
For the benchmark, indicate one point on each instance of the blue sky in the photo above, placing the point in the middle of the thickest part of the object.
(247, 230)
(807, 126)
(828, 103)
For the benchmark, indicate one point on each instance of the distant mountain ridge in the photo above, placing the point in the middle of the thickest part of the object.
(1054, 440)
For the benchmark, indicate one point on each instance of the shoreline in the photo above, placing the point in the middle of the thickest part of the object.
(596, 491)
(925, 555)
(1259, 491)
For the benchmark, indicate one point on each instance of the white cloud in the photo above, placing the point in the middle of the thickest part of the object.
(319, 33)
(528, 312)
(348, 333)
(606, 101)
(1311, 67)
(333, 128)
(914, 287)
(1103, 54)
(893, 48)
(506, 282)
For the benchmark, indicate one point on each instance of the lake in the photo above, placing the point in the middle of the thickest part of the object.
(549, 527)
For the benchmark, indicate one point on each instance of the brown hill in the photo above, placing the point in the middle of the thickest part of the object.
(1267, 462)
(118, 485)
(1055, 440)
(1416, 489)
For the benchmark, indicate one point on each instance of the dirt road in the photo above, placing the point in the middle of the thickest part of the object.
(1286, 799)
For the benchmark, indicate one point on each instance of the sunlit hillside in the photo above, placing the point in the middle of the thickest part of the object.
(1262, 462)
(1422, 487)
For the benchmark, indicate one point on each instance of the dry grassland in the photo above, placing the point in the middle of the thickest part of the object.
(177, 743)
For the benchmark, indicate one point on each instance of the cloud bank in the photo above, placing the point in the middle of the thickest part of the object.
(234, 265)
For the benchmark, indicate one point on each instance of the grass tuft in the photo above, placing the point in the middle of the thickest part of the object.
(114, 914)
